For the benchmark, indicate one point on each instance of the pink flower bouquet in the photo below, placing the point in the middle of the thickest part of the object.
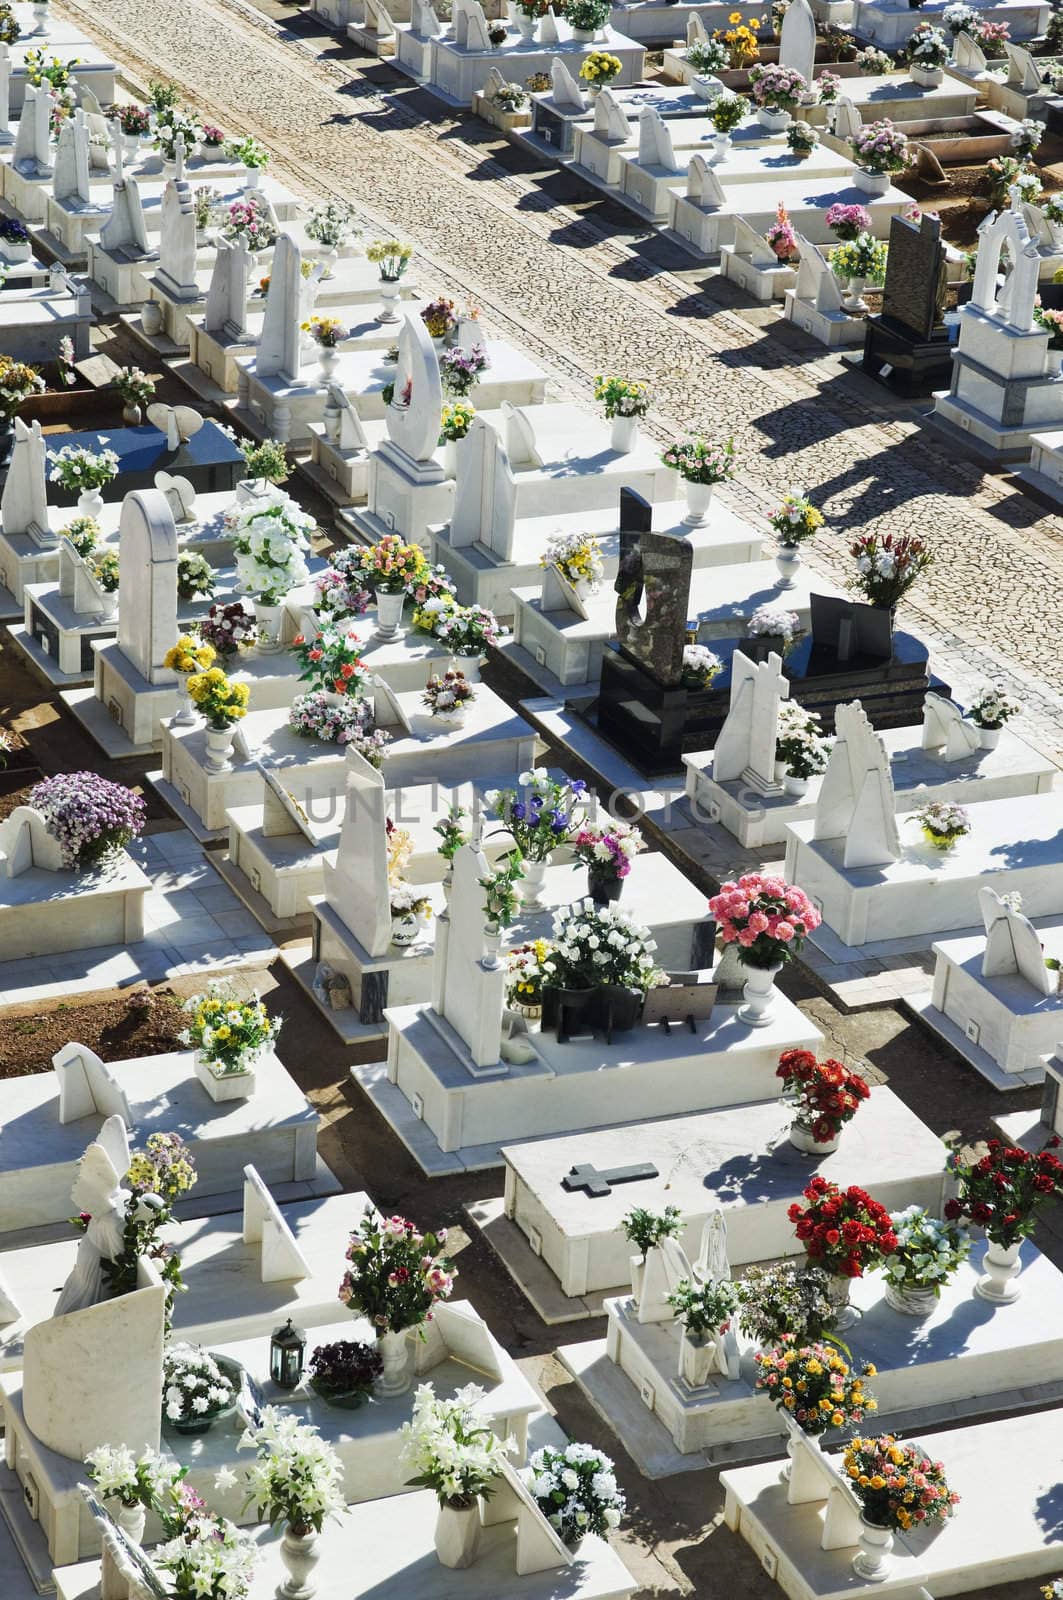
(767, 918)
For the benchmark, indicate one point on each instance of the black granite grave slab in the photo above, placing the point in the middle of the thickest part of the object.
(210, 460)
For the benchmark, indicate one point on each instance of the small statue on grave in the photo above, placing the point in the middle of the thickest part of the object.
(98, 1194)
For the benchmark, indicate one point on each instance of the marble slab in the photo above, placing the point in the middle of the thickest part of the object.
(49, 913)
(455, 72)
(704, 230)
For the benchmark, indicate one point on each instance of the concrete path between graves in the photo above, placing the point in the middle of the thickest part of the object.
(585, 290)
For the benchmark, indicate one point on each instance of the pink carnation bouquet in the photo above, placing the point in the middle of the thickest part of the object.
(766, 917)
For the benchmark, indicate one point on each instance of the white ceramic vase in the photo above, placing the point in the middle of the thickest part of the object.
(871, 182)
(223, 1086)
(394, 1351)
(801, 1139)
(300, 1553)
(457, 1537)
(1000, 1273)
(389, 608)
(697, 1355)
(269, 619)
(151, 318)
(328, 359)
(787, 563)
(989, 738)
(927, 77)
(873, 1564)
(794, 786)
(721, 146)
(252, 177)
(758, 995)
(625, 434)
(404, 928)
(526, 25)
(219, 744)
(698, 499)
(90, 503)
(448, 721)
(491, 959)
(853, 299)
(838, 1291)
(390, 289)
(531, 885)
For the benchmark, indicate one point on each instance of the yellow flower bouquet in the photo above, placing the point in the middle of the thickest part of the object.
(221, 701)
(228, 1032)
(600, 67)
(187, 655)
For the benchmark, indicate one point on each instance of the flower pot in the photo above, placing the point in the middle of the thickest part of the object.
(328, 358)
(151, 318)
(801, 1139)
(794, 786)
(90, 503)
(787, 563)
(1001, 1267)
(169, 169)
(269, 619)
(300, 1553)
(340, 1399)
(491, 960)
(625, 435)
(132, 416)
(198, 1424)
(457, 1537)
(527, 26)
(873, 1563)
(531, 885)
(603, 885)
(40, 17)
(389, 608)
(871, 182)
(249, 489)
(618, 1008)
(721, 145)
(758, 995)
(212, 152)
(698, 499)
(252, 177)
(222, 1085)
(853, 299)
(594, 90)
(107, 605)
(219, 745)
(773, 119)
(940, 841)
(405, 928)
(697, 1357)
(23, 250)
(184, 716)
(394, 1351)
(927, 77)
(566, 1010)
(390, 291)
(448, 721)
(838, 1291)
(584, 35)
(910, 1302)
(450, 457)
(989, 738)
(530, 1013)
(131, 1520)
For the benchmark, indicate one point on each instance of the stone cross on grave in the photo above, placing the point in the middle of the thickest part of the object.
(598, 1184)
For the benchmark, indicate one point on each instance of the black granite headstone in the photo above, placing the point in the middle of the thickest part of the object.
(907, 345)
(653, 592)
(849, 630)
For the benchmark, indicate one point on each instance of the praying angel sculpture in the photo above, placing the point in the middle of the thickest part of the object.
(98, 1193)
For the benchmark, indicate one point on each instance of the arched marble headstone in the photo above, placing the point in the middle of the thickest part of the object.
(752, 246)
(815, 280)
(1012, 944)
(177, 241)
(147, 559)
(847, 120)
(1014, 305)
(697, 33)
(70, 176)
(24, 501)
(413, 422)
(565, 90)
(521, 447)
(655, 141)
(610, 123)
(703, 186)
(1023, 71)
(797, 40)
(485, 493)
(32, 154)
(944, 729)
(279, 354)
(25, 842)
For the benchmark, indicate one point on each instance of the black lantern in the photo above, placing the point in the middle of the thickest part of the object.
(287, 1347)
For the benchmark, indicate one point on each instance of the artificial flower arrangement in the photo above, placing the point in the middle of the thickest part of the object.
(992, 708)
(174, 125)
(538, 82)
(451, 833)
(698, 461)
(157, 1176)
(501, 900)
(206, 202)
(228, 1031)
(862, 257)
(646, 1229)
(270, 534)
(533, 8)
(18, 382)
(703, 1307)
(396, 1274)
(801, 138)
(796, 518)
(117, 1474)
(578, 557)
(700, 666)
(390, 566)
(297, 1478)
(497, 33)
(927, 47)
(600, 67)
(993, 38)
(204, 1555)
(218, 698)
(104, 569)
(576, 1490)
(1027, 137)
(942, 822)
(887, 567)
(134, 121)
(347, 722)
(708, 56)
(597, 946)
(607, 851)
(929, 1251)
(12, 231)
(194, 1389)
(389, 257)
(331, 661)
(897, 1484)
(788, 1301)
(440, 317)
(91, 817)
(468, 630)
(10, 29)
(451, 1449)
(959, 18)
(213, 136)
(326, 332)
(84, 534)
(195, 575)
(799, 742)
(1050, 321)
(881, 147)
(847, 222)
(344, 1371)
(777, 87)
(78, 470)
(408, 904)
(766, 917)
(1003, 1190)
(331, 224)
(265, 460)
(844, 1231)
(431, 583)
(249, 153)
(540, 813)
(447, 694)
(727, 110)
(587, 15)
(460, 369)
(134, 386)
(524, 975)
(509, 97)
(226, 628)
(188, 656)
(41, 69)
(621, 397)
(813, 1385)
(740, 38)
(828, 87)
(338, 597)
(1003, 173)
(455, 420)
(826, 1094)
(781, 235)
(247, 223)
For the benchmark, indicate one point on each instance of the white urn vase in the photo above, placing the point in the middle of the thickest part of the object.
(873, 1563)
(526, 26)
(184, 716)
(389, 609)
(219, 745)
(698, 499)
(721, 143)
(328, 359)
(839, 1288)
(1000, 1273)
(252, 177)
(457, 1538)
(300, 1553)
(269, 619)
(531, 885)
(758, 995)
(394, 1351)
(390, 289)
(787, 564)
(625, 434)
(90, 503)
(491, 959)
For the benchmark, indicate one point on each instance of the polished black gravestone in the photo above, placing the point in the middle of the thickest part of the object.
(907, 345)
(209, 460)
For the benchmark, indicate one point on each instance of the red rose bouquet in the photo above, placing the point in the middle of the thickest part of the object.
(827, 1093)
(1003, 1190)
(843, 1230)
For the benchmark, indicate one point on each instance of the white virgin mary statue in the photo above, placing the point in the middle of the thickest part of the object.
(98, 1191)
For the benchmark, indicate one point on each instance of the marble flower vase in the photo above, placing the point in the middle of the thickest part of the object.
(222, 1085)
(394, 1351)
(999, 1282)
(457, 1535)
(758, 995)
(300, 1553)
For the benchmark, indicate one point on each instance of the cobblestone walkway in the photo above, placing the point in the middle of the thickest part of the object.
(582, 300)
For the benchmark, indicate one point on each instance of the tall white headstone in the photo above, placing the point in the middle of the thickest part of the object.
(745, 747)
(816, 282)
(126, 232)
(703, 186)
(343, 425)
(226, 308)
(147, 560)
(6, 136)
(944, 729)
(655, 141)
(177, 241)
(279, 345)
(70, 177)
(1012, 944)
(797, 41)
(24, 501)
(856, 801)
(412, 418)
(32, 154)
(469, 996)
(485, 493)
(356, 887)
(610, 123)
(565, 90)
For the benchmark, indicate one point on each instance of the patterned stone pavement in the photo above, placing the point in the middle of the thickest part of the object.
(582, 296)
